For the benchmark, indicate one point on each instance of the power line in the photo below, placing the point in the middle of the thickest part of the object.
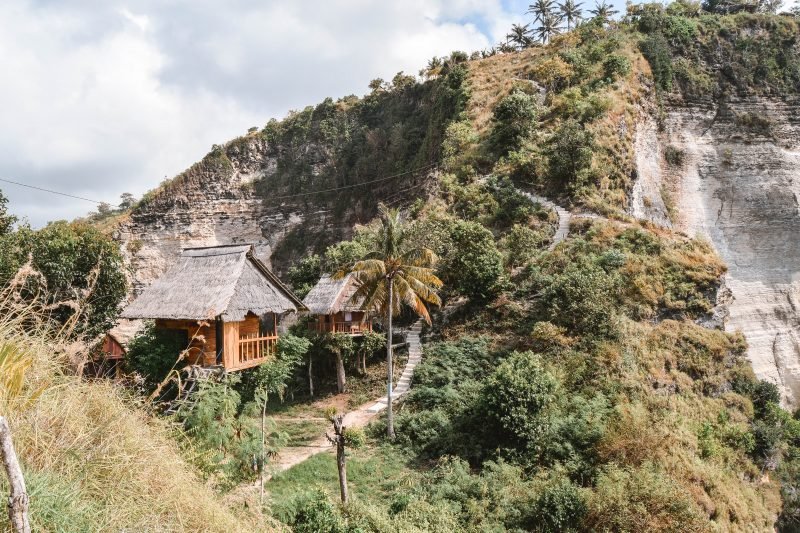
(334, 189)
(52, 191)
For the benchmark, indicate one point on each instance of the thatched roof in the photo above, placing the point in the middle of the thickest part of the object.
(330, 296)
(226, 281)
(125, 331)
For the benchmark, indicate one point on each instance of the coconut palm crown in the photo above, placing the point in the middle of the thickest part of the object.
(410, 269)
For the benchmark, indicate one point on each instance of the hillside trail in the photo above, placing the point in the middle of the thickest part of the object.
(360, 417)
(565, 216)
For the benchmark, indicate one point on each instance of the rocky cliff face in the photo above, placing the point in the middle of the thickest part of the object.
(731, 171)
(208, 205)
(237, 194)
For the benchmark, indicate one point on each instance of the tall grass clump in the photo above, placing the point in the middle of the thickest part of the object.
(91, 459)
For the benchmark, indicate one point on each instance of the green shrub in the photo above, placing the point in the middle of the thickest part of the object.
(153, 352)
(228, 432)
(559, 506)
(513, 207)
(475, 266)
(583, 298)
(615, 66)
(304, 274)
(82, 272)
(517, 397)
(657, 52)
(314, 513)
(273, 377)
(674, 156)
(342, 254)
(521, 244)
(514, 121)
(570, 154)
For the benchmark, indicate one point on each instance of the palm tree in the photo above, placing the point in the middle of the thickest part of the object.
(540, 9)
(520, 35)
(603, 11)
(548, 28)
(391, 275)
(570, 11)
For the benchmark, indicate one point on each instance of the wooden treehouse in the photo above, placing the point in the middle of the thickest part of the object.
(330, 301)
(225, 304)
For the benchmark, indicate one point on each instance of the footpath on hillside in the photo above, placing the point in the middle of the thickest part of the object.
(360, 417)
(565, 216)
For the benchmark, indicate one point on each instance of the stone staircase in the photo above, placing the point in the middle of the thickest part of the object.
(414, 357)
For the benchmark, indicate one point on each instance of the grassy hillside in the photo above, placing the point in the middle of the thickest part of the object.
(93, 461)
(580, 389)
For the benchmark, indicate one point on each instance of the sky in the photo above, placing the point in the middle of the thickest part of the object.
(101, 97)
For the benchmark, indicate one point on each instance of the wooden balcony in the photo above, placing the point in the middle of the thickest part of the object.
(353, 327)
(253, 350)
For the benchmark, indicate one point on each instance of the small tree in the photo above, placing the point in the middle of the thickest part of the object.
(371, 342)
(272, 379)
(476, 264)
(343, 347)
(126, 200)
(570, 153)
(343, 438)
(304, 275)
(514, 121)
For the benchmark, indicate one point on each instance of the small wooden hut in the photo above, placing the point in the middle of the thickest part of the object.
(108, 360)
(331, 302)
(224, 302)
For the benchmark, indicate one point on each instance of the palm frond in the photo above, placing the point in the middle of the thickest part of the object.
(409, 297)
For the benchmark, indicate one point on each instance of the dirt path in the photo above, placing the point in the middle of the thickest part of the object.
(291, 456)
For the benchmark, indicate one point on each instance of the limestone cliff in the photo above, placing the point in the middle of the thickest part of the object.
(732, 171)
(209, 205)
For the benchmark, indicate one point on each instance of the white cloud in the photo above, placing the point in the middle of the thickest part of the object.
(101, 98)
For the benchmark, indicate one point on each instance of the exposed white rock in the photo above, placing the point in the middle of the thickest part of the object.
(646, 200)
(739, 187)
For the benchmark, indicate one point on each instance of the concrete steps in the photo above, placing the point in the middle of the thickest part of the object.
(403, 385)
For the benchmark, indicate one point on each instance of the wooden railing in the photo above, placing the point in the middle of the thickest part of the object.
(255, 350)
(354, 327)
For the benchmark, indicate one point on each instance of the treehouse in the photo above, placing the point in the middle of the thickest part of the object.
(223, 302)
(331, 302)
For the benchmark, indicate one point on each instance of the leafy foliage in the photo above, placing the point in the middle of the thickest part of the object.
(7, 221)
(570, 154)
(153, 352)
(514, 120)
(476, 268)
(83, 274)
(304, 275)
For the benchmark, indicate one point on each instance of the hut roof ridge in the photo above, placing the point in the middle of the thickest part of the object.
(207, 282)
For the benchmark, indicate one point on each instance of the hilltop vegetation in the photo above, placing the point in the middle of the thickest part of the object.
(576, 389)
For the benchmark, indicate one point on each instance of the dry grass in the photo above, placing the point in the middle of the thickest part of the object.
(92, 460)
(492, 78)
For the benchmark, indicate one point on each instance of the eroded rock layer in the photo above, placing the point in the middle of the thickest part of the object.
(208, 206)
(734, 177)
